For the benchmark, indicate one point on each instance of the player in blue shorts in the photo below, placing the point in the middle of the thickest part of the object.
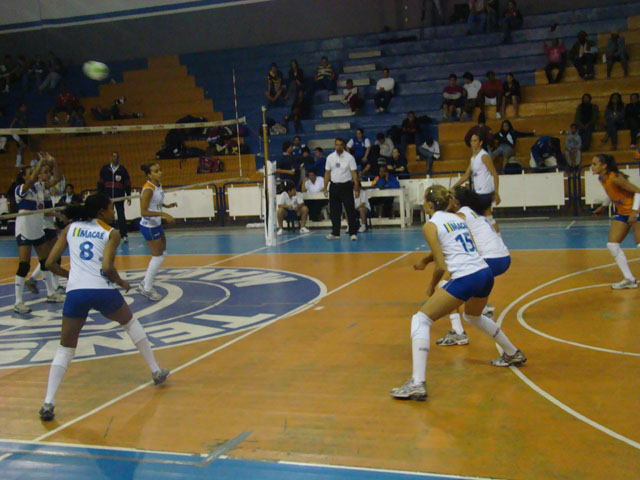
(471, 282)
(92, 281)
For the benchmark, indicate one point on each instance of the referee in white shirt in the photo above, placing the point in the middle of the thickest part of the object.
(342, 171)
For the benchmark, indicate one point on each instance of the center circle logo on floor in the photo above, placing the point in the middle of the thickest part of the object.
(197, 304)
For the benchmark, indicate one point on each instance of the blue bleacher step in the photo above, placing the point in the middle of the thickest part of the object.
(323, 127)
(357, 82)
(337, 112)
(365, 54)
(367, 67)
(323, 143)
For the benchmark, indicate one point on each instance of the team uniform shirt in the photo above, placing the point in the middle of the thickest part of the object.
(341, 166)
(291, 202)
(87, 241)
(358, 147)
(155, 205)
(487, 240)
(314, 187)
(361, 199)
(622, 198)
(30, 227)
(480, 174)
(460, 254)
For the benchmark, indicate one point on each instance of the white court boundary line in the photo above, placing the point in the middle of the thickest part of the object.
(217, 349)
(523, 322)
(544, 393)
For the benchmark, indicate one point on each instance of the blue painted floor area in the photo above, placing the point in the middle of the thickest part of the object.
(55, 462)
(518, 235)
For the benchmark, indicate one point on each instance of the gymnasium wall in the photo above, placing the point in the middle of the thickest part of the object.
(118, 29)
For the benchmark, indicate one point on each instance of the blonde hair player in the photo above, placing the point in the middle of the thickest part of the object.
(471, 282)
(29, 229)
(626, 197)
(490, 246)
(92, 285)
(151, 226)
(483, 177)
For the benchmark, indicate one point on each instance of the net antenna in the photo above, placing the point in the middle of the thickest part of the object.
(269, 189)
(235, 103)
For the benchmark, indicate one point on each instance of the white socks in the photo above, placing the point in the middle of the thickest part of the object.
(36, 272)
(492, 329)
(420, 337)
(19, 284)
(456, 323)
(139, 339)
(152, 270)
(61, 361)
(47, 276)
(621, 259)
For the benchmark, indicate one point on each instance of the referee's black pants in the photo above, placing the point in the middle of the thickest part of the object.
(341, 194)
(122, 220)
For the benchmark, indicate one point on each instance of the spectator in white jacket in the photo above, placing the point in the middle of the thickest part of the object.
(384, 91)
(471, 88)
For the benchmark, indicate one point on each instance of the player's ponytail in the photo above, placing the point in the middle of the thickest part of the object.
(89, 210)
(611, 164)
(439, 196)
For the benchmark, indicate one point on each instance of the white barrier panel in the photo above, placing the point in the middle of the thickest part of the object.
(192, 203)
(594, 193)
(244, 201)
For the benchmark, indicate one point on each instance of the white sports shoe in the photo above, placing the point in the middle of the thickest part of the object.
(21, 308)
(56, 298)
(354, 238)
(363, 228)
(304, 230)
(625, 284)
(280, 231)
(331, 236)
(150, 294)
(409, 391)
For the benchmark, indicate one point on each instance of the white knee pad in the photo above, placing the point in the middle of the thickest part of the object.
(420, 325)
(614, 248)
(63, 356)
(135, 330)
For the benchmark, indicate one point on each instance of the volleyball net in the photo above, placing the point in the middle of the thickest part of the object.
(194, 158)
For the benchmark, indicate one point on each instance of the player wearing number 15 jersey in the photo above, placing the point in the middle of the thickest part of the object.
(471, 283)
(92, 285)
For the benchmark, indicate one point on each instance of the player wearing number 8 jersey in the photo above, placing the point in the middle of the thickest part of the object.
(471, 283)
(92, 285)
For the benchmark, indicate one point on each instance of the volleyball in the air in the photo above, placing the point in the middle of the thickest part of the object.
(95, 70)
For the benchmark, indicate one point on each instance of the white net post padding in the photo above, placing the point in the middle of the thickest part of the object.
(271, 210)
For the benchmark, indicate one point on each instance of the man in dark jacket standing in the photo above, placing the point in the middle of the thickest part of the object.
(115, 182)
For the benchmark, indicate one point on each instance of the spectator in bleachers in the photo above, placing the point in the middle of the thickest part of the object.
(482, 130)
(298, 111)
(384, 91)
(586, 117)
(429, 151)
(477, 20)
(352, 97)
(70, 197)
(66, 102)
(363, 207)
(7, 72)
(617, 51)
(276, 91)
(325, 78)
(511, 95)
(506, 142)
(359, 147)
(296, 79)
(384, 145)
(54, 73)
(291, 202)
(556, 60)
(318, 161)
(511, 20)
(21, 73)
(453, 97)
(632, 117)
(471, 88)
(386, 180)
(297, 146)
(410, 132)
(546, 153)
(572, 146)
(113, 112)
(285, 166)
(491, 93)
(614, 117)
(76, 118)
(314, 184)
(397, 165)
(20, 121)
(583, 56)
(493, 15)
(36, 70)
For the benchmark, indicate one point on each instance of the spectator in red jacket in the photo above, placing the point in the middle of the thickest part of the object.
(65, 102)
(491, 93)
(556, 60)
(453, 98)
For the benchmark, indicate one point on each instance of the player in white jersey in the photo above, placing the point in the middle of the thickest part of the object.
(482, 175)
(92, 285)
(151, 226)
(471, 282)
(29, 229)
(490, 246)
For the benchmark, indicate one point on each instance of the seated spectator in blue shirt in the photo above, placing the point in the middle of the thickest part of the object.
(547, 154)
(384, 181)
(319, 162)
(359, 147)
(285, 166)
